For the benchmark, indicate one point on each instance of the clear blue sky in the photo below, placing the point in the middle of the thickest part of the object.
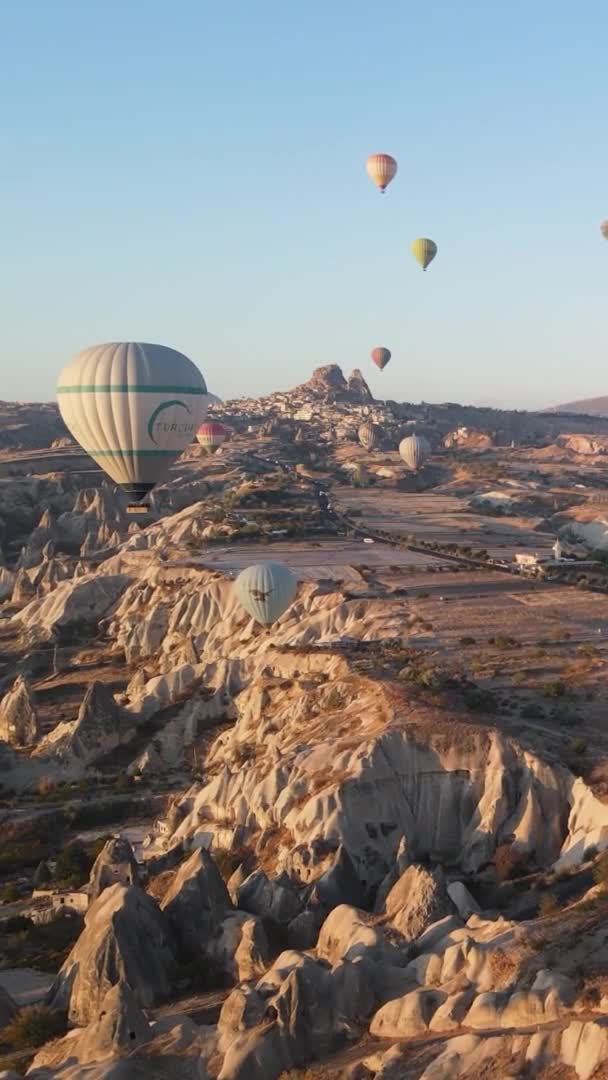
(192, 173)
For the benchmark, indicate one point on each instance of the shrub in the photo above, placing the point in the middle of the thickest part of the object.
(33, 1026)
(227, 861)
(600, 870)
(123, 783)
(587, 649)
(579, 746)
(73, 865)
(503, 641)
(479, 700)
(556, 688)
(16, 923)
(46, 787)
(466, 640)
(590, 853)
(509, 862)
(532, 711)
(9, 893)
(548, 905)
(590, 997)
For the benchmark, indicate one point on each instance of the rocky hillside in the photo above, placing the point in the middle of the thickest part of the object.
(361, 859)
(29, 426)
(597, 406)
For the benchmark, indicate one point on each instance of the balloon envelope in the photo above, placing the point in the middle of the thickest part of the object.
(604, 229)
(414, 451)
(266, 590)
(381, 357)
(381, 168)
(211, 435)
(133, 407)
(367, 436)
(424, 250)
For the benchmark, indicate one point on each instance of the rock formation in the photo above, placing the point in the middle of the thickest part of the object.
(100, 727)
(126, 939)
(18, 719)
(205, 924)
(114, 864)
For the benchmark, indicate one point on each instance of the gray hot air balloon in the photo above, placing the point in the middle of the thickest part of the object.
(134, 408)
(414, 451)
(367, 435)
(266, 590)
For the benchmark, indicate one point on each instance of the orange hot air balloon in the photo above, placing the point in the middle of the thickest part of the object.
(381, 168)
(381, 357)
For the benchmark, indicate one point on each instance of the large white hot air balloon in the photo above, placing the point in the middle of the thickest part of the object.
(414, 451)
(134, 408)
(266, 590)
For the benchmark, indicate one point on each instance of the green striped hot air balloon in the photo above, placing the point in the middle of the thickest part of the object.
(424, 251)
(266, 590)
(134, 408)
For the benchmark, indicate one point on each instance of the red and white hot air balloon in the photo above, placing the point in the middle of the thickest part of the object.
(211, 435)
(381, 168)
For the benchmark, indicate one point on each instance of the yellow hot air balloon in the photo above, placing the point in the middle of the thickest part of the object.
(604, 229)
(424, 251)
(381, 168)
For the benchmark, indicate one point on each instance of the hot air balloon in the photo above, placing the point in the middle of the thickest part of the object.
(424, 251)
(381, 357)
(604, 229)
(381, 168)
(134, 408)
(266, 590)
(367, 436)
(211, 435)
(414, 451)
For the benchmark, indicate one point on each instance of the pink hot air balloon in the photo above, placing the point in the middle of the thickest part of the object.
(381, 168)
(211, 435)
(381, 357)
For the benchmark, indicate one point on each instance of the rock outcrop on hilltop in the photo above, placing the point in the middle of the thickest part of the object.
(328, 383)
(18, 717)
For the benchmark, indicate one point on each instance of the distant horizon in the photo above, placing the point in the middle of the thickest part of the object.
(212, 193)
(404, 401)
